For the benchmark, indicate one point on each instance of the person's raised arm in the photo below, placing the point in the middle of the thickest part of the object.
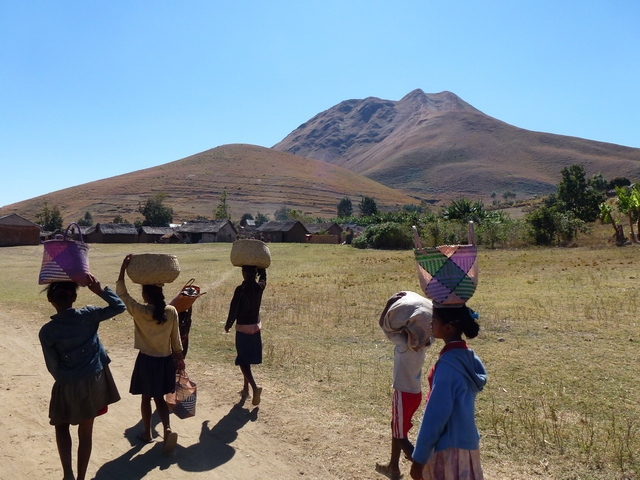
(123, 268)
(394, 298)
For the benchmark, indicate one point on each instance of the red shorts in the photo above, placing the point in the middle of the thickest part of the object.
(404, 406)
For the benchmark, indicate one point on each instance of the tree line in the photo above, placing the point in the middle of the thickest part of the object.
(556, 219)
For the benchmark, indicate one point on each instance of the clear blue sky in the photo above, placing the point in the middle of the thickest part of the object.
(93, 89)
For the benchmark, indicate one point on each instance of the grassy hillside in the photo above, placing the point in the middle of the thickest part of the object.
(256, 179)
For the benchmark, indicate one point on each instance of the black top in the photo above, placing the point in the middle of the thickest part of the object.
(245, 304)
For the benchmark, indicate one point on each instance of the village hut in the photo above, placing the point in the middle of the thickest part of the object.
(327, 232)
(148, 234)
(292, 231)
(111, 233)
(207, 232)
(16, 230)
(327, 228)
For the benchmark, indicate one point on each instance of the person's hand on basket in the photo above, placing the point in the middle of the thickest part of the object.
(125, 264)
(93, 284)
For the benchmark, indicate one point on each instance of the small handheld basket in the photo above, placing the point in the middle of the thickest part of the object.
(187, 296)
(183, 401)
(153, 268)
(65, 259)
(250, 252)
(448, 274)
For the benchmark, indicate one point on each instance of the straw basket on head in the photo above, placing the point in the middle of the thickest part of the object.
(250, 252)
(153, 268)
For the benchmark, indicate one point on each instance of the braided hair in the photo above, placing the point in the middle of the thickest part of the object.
(154, 294)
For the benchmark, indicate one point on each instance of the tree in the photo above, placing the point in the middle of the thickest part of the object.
(578, 195)
(155, 213)
(244, 218)
(87, 221)
(261, 218)
(282, 213)
(119, 219)
(50, 219)
(618, 182)
(345, 208)
(223, 212)
(599, 182)
(368, 206)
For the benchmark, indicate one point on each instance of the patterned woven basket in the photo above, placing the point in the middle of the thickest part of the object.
(153, 268)
(250, 252)
(65, 260)
(448, 274)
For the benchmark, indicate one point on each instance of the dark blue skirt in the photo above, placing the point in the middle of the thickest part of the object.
(249, 348)
(153, 376)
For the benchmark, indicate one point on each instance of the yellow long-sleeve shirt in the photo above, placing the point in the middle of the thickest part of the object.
(150, 338)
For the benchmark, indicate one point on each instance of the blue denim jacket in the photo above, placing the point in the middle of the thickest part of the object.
(70, 343)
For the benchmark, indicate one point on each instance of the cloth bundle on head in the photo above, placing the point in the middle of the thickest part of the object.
(408, 321)
(448, 274)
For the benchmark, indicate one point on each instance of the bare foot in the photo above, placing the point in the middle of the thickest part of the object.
(256, 396)
(388, 471)
(170, 441)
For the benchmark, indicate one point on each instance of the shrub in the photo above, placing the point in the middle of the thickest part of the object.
(386, 236)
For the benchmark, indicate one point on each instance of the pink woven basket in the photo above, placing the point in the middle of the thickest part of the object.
(65, 260)
(448, 274)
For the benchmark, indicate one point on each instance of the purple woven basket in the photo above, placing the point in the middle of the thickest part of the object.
(448, 274)
(65, 260)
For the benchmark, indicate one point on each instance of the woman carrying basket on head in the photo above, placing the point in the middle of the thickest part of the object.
(245, 310)
(78, 362)
(157, 337)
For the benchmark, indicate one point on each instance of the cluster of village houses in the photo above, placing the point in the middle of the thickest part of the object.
(17, 230)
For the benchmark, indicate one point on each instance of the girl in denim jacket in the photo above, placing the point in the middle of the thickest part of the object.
(78, 362)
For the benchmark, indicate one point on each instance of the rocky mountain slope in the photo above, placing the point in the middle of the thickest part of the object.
(438, 146)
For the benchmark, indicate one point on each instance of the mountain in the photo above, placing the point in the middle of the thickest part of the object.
(256, 179)
(438, 146)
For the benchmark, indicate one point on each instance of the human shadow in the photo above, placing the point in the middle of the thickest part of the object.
(212, 449)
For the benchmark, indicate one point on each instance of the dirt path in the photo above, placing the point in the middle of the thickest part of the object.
(223, 441)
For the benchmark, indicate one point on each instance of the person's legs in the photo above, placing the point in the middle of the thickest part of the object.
(145, 410)
(163, 413)
(170, 437)
(63, 440)
(249, 380)
(248, 377)
(85, 444)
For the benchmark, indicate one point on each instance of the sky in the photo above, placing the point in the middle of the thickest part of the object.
(95, 88)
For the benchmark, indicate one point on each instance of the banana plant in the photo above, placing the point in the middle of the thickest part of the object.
(627, 206)
(606, 216)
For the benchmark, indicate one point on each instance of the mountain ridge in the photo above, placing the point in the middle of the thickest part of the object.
(439, 145)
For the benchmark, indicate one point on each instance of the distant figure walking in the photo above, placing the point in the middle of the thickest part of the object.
(157, 337)
(78, 362)
(245, 311)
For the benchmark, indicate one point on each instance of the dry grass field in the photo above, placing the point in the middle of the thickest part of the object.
(560, 339)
